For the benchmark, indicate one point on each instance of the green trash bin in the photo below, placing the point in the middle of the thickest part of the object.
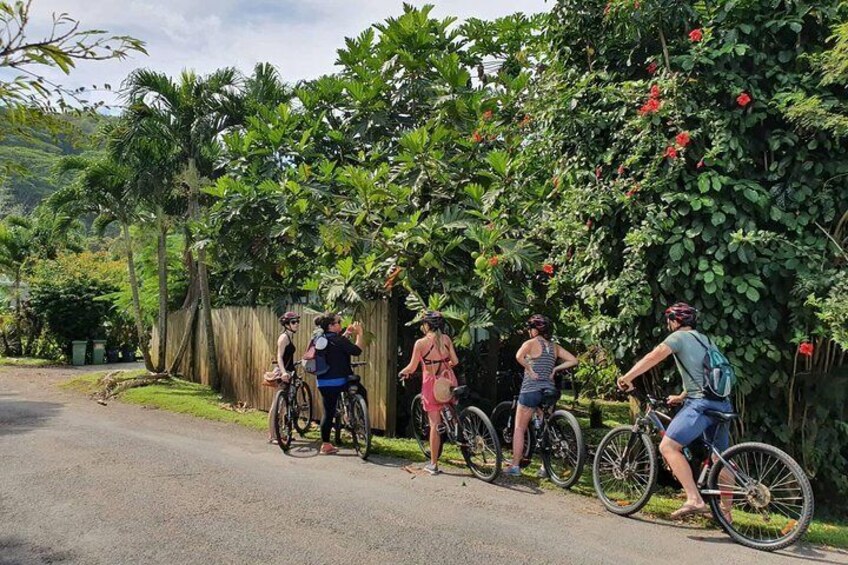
(99, 352)
(78, 352)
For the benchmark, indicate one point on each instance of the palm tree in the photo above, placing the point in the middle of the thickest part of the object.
(106, 187)
(189, 116)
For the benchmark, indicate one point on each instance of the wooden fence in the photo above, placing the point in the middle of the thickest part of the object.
(246, 343)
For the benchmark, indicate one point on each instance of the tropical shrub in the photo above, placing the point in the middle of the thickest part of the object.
(681, 178)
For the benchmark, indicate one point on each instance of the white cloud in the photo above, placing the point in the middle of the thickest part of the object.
(299, 37)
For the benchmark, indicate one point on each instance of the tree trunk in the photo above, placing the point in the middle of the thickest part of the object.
(19, 348)
(139, 324)
(162, 256)
(203, 281)
(187, 335)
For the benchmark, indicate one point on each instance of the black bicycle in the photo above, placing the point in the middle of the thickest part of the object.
(556, 436)
(292, 408)
(470, 430)
(352, 416)
(757, 493)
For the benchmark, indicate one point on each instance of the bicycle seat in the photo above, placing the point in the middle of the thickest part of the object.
(460, 391)
(550, 397)
(721, 416)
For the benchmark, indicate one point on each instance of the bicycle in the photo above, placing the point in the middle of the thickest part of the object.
(292, 401)
(556, 436)
(756, 492)
(470, 430)
(352, 415)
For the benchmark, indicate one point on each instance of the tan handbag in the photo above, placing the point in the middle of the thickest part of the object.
(442, 390)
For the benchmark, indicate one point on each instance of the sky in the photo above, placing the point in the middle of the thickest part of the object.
(299, 37)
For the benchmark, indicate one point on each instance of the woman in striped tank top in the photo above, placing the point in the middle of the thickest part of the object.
(538, 355)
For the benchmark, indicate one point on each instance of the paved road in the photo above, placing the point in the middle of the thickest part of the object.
(82, 483)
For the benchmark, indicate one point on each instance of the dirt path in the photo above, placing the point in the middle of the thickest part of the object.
(82, 483)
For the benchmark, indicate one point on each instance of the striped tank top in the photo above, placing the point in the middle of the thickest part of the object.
(543, 365)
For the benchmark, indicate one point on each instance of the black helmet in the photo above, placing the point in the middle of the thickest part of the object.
(434, 319)
(683, 313)
(540, 323)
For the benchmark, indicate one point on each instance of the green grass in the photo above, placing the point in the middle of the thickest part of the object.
(28, 362)
(198, 400)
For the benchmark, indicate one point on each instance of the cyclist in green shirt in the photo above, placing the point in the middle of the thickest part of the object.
(691, 422)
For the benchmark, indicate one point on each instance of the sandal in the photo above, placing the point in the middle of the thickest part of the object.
(689, 510)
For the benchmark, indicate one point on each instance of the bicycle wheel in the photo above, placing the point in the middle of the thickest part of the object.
(625, 470)
(766, 500)
(282, 420)
(564, 451)
(360, 426)
(503, 420)
(479, 444)
(303, 408)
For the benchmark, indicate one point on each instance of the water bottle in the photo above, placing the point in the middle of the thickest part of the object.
(537, 421)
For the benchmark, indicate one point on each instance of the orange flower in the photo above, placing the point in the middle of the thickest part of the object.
(696, 35)
(649, 107)
(476, 138)
(494, 260)
(670, 152)
(548, 269)
(655, 92)
(682, 139)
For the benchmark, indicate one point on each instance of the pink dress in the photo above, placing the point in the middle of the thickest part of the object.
(435, 369)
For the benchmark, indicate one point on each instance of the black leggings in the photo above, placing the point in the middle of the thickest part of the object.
(329, 398)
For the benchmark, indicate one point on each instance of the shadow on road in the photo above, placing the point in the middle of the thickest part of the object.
(804, 552)
(21, 416)
(16, 551)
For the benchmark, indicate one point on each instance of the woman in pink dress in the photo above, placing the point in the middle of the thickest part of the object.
(435, 353)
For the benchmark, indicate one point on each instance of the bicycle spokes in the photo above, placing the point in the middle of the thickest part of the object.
(624, 469)
(762, 496)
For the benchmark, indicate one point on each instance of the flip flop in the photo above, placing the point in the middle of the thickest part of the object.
(689, 510)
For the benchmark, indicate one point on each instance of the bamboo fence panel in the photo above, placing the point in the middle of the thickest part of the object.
(246, 344)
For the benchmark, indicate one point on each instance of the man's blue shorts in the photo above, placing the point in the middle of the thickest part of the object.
(691, 422)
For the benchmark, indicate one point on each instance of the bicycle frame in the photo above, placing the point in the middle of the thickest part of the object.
(651, 421)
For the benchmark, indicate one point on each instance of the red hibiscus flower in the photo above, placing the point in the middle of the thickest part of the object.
(494, 260)
(670, 152)
(477, 138)
(743, 99)
(696, 35)
(487, 115)
(806, 349)
(652, 68)
(649, 107)
(655, 92)
(548, 269)
(682, 139)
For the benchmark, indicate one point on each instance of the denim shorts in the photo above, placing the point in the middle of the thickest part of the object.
(531, 399)
(691, 423)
